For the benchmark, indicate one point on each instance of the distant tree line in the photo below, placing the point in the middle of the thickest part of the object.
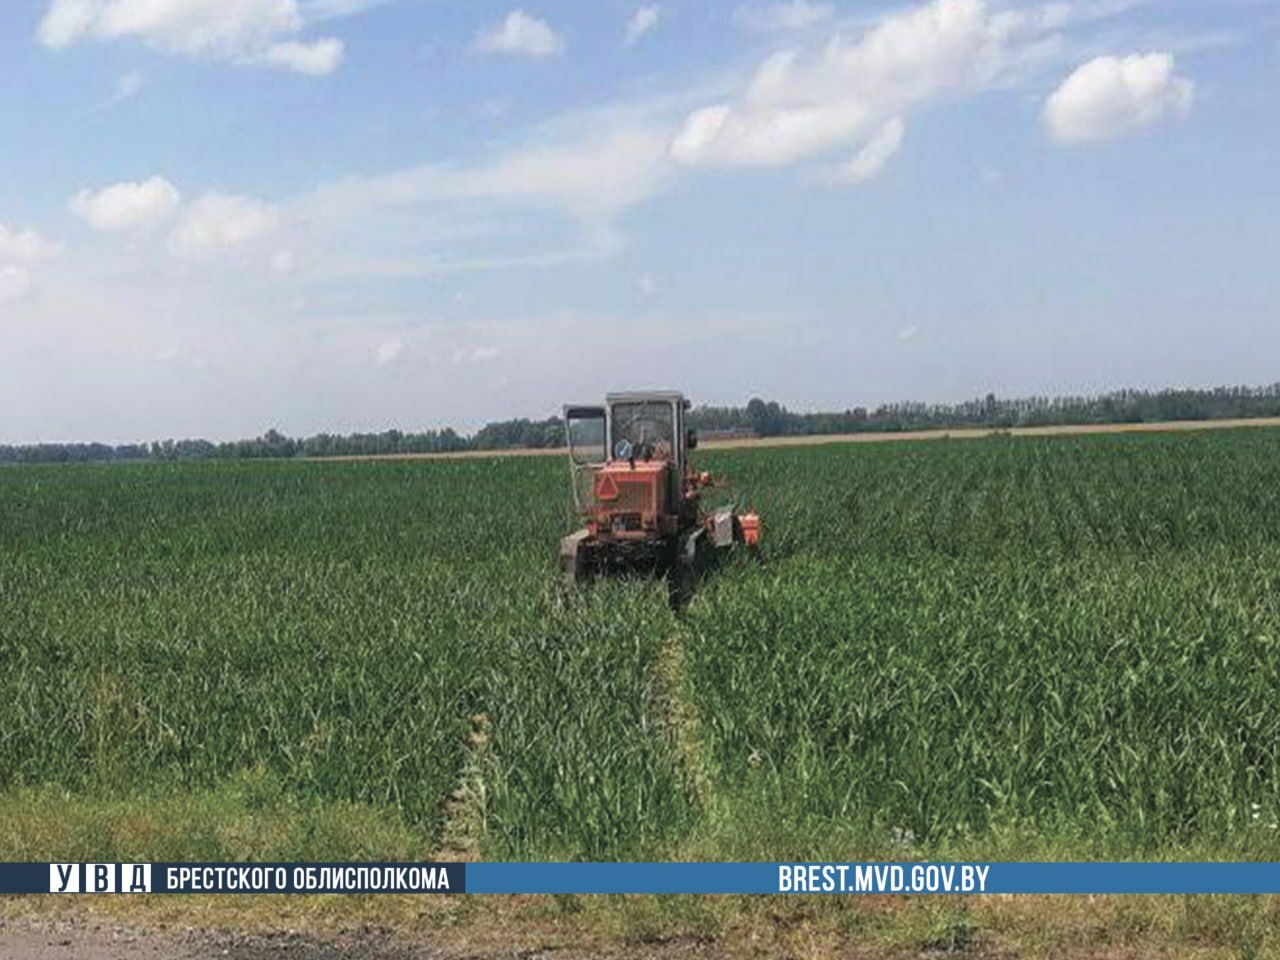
(769, 419)
(759, 418)
(504, 435)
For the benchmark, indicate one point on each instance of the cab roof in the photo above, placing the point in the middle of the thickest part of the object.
(640, 396)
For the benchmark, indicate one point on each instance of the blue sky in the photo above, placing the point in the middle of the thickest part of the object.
(222, 215)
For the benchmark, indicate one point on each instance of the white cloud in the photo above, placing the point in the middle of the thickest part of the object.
(648, 286)
(523, 34)
(18, 248)
(238, 31)
(388, 351)
(67, 21)
(314, 59)
(641, 22)
(908, 333)
(591, 178)
(481, 354)
(178, 356)
(15, 282)
(219, 27)
(127, 87)
(780, 17)
(798, 107)
(219, 221)
(595, 177)
(552, 198)
(25, 246)
(283, 261)
(1113, 96)
(875, 153)
(315, 10)
(127, 206)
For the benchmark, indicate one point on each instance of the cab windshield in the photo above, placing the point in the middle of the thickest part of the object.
(644, 430)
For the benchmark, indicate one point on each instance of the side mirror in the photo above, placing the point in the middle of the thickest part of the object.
(691, 440)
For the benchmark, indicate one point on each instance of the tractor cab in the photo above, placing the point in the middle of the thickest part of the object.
(636, 489)
(630, 426)
(647, 427)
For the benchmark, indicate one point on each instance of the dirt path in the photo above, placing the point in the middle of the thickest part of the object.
(1171, 426)
(89, 939)
(86, 935)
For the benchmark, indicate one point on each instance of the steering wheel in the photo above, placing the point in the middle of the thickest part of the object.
(641, 419)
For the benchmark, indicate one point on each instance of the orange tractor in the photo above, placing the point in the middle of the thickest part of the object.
(640, 496)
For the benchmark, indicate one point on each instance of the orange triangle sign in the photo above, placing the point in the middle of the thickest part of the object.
(606, 487)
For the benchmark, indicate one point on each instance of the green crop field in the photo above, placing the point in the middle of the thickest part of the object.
(1023, 647)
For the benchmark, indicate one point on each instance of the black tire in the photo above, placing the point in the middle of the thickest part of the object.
(682, 577)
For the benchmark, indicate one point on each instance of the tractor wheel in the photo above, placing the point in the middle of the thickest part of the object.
(574, 558)
(681, 578)
(682, 574)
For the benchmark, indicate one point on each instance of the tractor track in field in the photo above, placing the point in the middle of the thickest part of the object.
(964, 433)
(464, 817)
(678, 714)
